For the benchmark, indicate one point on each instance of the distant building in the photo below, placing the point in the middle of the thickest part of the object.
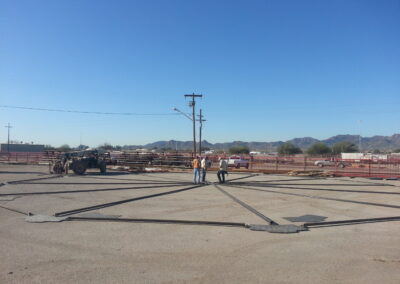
(21, 148)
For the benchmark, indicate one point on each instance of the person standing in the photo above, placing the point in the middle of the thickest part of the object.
(205, 162)
(196, 170)
(223, 167)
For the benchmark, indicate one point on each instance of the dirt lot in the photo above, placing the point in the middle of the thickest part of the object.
(106, 251)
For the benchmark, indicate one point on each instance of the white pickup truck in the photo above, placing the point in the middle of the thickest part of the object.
(330, 163)
(237, 162)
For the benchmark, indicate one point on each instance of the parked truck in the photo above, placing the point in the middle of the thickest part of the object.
(237, 162)
(79, 162)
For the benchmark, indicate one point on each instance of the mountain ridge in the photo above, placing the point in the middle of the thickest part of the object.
(377, 142)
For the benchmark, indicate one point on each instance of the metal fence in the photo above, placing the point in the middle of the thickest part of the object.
(386, 168)
(25, 157)
(340, 167)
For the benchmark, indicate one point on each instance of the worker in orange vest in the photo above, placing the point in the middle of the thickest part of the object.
(196, 170)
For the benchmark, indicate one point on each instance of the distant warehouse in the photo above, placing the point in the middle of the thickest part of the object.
(21, 148)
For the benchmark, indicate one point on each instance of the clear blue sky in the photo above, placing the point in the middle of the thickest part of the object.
(268, 70)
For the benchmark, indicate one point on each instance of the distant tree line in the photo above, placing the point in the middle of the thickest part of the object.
(289, 149)
(284, 149)
(239, 150)
(67, 148)
(318, 149)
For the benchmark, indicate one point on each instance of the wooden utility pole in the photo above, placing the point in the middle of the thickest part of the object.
(200, 129)
(8, 139)
(192, 103)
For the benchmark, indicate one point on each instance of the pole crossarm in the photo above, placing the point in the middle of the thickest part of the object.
(193, 96)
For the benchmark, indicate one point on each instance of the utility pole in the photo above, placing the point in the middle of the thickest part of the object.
(200, 128)
(192, 103)
(359, 139)
(8, 139)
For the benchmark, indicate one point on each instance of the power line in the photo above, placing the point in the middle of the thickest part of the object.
(86, 112)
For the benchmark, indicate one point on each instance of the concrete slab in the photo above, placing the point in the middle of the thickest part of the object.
(113, 252)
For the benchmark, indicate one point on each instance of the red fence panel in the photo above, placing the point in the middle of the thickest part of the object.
(388, 168)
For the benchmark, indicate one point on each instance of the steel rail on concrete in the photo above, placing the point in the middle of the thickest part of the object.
(97, 183)
(248, 207)
(85, 190)
(163, 221)
(278, 182)
(278, 185)
(104, 205)
(107, 177)
(32, 179)
(239, 178)
(351, 221)
(319, 197)
(364, 182)
(15, 210)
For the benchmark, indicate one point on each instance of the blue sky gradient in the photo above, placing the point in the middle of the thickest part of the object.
(268, 70)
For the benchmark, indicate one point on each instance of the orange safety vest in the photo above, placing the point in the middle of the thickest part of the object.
(196, 164)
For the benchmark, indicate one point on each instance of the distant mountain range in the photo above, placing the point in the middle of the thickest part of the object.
(382, 143)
